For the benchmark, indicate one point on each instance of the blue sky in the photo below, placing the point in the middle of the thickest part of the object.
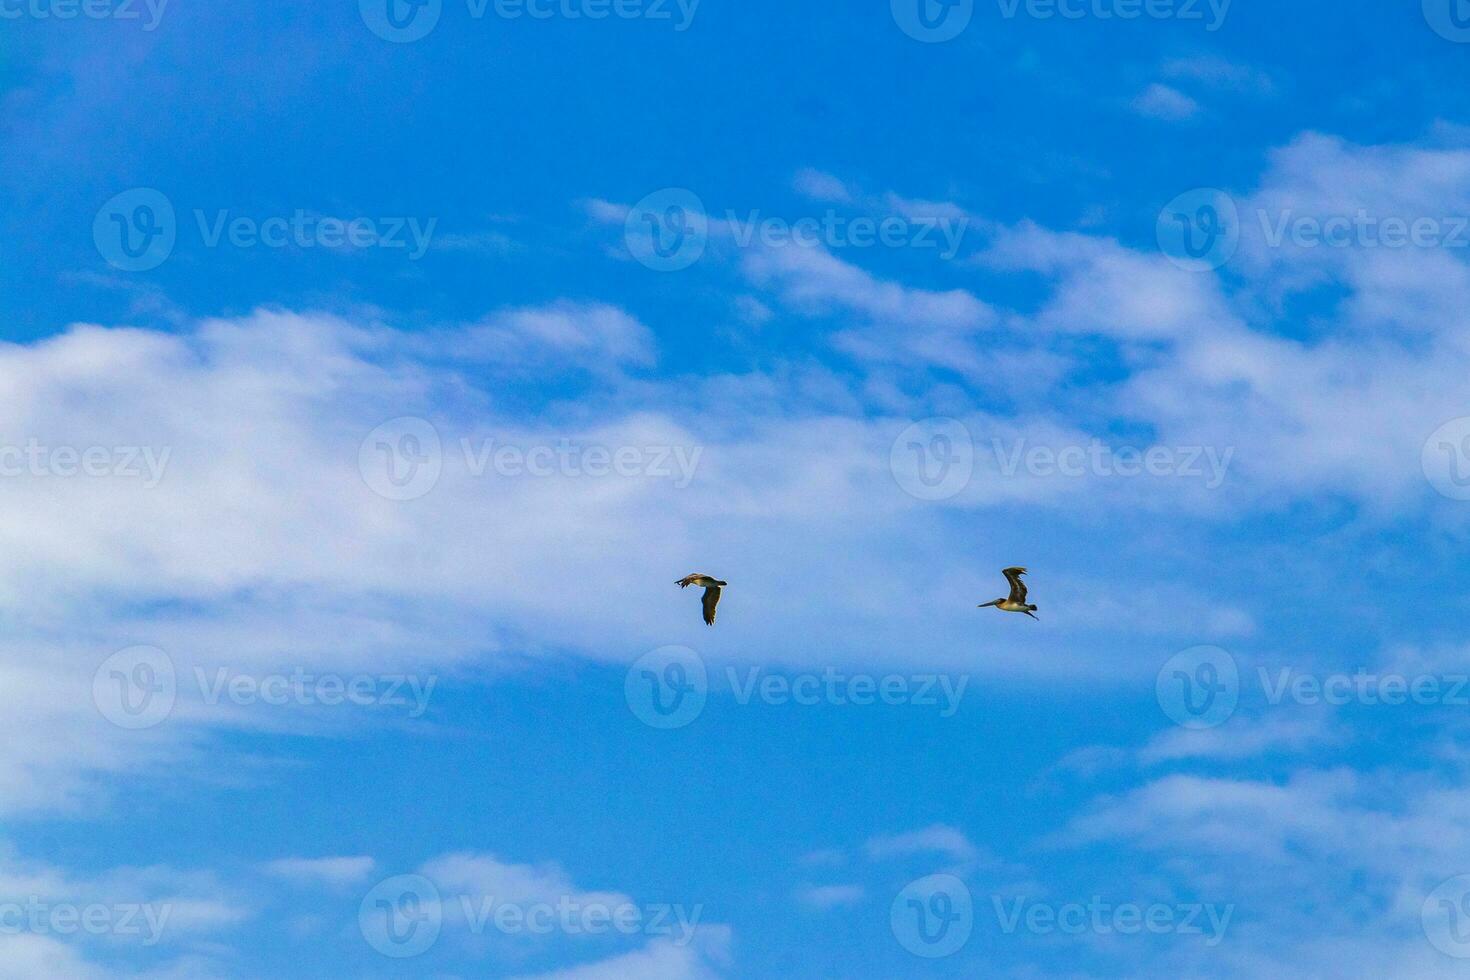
(368, 388)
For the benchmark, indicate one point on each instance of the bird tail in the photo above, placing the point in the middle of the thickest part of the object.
(1032, 613)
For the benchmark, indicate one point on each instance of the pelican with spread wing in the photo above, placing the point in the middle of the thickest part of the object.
(1016, 601)
(711, 586)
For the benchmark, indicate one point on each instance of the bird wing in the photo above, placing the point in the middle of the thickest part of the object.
(1018, 587)
(711, 599)
(687, 581)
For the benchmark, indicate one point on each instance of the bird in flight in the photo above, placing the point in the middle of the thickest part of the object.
(1016, 601)
(711, 586)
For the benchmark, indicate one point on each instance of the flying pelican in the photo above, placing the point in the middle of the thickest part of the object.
(1016, 601)
(711, 586)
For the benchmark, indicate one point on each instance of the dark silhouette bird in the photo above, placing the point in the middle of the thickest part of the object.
(1016, 601)
(711, 586)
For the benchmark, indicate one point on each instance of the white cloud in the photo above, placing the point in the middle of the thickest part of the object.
(149, 910)
(29, 957)
(596, 337)
(268, 549)
(1243, 738)
(1220, 74)
(272, 552)
(474, 887)
(1162, 102)
(938, 839)
(1284, 853)
(606, 212)
(484, 876)
(1110, 290)
(916, 209)
(1344, 410)
(822, 187)
(705, 959)
(814, 280)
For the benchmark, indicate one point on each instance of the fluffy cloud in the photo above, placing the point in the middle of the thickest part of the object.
(813, 279)
(486, 877)
(937, 839)
(59, 923)
(706, 959)
(1163, 102)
